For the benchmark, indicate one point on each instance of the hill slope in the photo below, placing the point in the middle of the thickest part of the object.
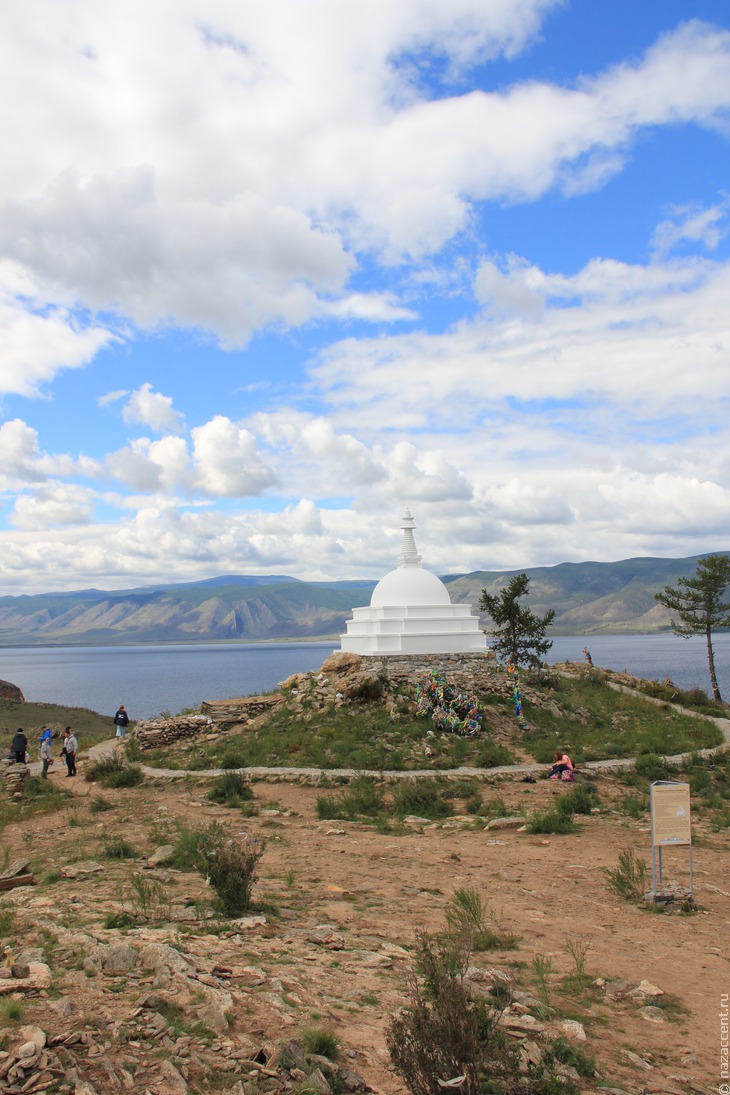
(587, 597)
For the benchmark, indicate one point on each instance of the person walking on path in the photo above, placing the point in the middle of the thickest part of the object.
(69, 749)
(46, 759)
(19, 746)
(121, 721)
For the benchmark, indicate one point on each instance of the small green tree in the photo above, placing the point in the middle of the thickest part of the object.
(699, 605)
(519, 634)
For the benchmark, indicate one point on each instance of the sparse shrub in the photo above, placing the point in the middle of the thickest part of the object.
(468, 914)
(229, 864)
(421, 797)
(634, 805)
(188, 853)
(474, 802)
(653, 767)
(630, 879)
(370, 688)
(230, 790)
(578, 951)
(574, 1056)
(7, 920)
(542, 967)
(322, 1041)
(364, 798)
(579, 800)
(119, 921)
(491, 754)
(144, 896)
(99, 805)
(232, 758)
(443, 1033)
(232, 873)
(114, 772)
(11, 1010)
(120, 849)
(547, 822)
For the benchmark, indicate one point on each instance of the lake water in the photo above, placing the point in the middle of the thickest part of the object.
(152, 679)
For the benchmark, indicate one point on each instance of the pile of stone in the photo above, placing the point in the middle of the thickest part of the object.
(156, 733)
(15, 777)
(243, 709)
(348, 678)
(29, 1066)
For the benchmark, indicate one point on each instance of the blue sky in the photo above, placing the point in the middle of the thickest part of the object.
(270, 273)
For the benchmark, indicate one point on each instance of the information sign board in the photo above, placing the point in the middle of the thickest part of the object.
(670, 814)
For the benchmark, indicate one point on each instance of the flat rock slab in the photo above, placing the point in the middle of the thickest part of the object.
(39, 977)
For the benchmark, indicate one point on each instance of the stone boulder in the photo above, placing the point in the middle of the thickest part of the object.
(10, 691)
(341, 663)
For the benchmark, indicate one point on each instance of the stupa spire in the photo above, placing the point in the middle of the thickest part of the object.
(409, 556)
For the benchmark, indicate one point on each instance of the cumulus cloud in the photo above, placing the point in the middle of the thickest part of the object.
(38, 341)
(20, 458)
(248, 168)
(54, 505)
(323, 140)
(148, 408)
(613, 332)
(227, 460)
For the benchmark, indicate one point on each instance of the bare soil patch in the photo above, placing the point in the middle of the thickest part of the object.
(375, 890)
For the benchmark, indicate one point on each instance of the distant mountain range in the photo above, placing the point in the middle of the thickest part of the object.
(588, 598)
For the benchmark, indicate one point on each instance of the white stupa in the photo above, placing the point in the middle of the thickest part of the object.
(410, 612)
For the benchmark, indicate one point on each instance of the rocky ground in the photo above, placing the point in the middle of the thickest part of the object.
(183, 1002)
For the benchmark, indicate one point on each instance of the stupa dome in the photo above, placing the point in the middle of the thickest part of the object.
(410, 586)
(410, 612)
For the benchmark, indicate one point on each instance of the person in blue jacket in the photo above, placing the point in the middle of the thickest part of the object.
(46, 760)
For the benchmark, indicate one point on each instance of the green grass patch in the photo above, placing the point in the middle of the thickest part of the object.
(120, 849)
(598, 723)
(114, 772)
(549, 823)
(231, 790)
(365, 798)
(322, 1041)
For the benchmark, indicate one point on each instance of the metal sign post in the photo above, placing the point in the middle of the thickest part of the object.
(671, 824)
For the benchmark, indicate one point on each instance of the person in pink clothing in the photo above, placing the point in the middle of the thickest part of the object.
(562, 764)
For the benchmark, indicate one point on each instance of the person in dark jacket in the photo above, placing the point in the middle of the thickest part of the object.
(69, 749)
(121, 721)
(19, 746)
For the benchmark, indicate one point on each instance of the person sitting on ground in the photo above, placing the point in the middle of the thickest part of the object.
(19, 746)
(562, 767)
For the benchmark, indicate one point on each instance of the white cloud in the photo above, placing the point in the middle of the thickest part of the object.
(613, 332)
(227, 461)
(706, 226)
(56, 504)
(39, 341)
(519, 289)
(20, 457)
(322, 139)
(149, 408)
